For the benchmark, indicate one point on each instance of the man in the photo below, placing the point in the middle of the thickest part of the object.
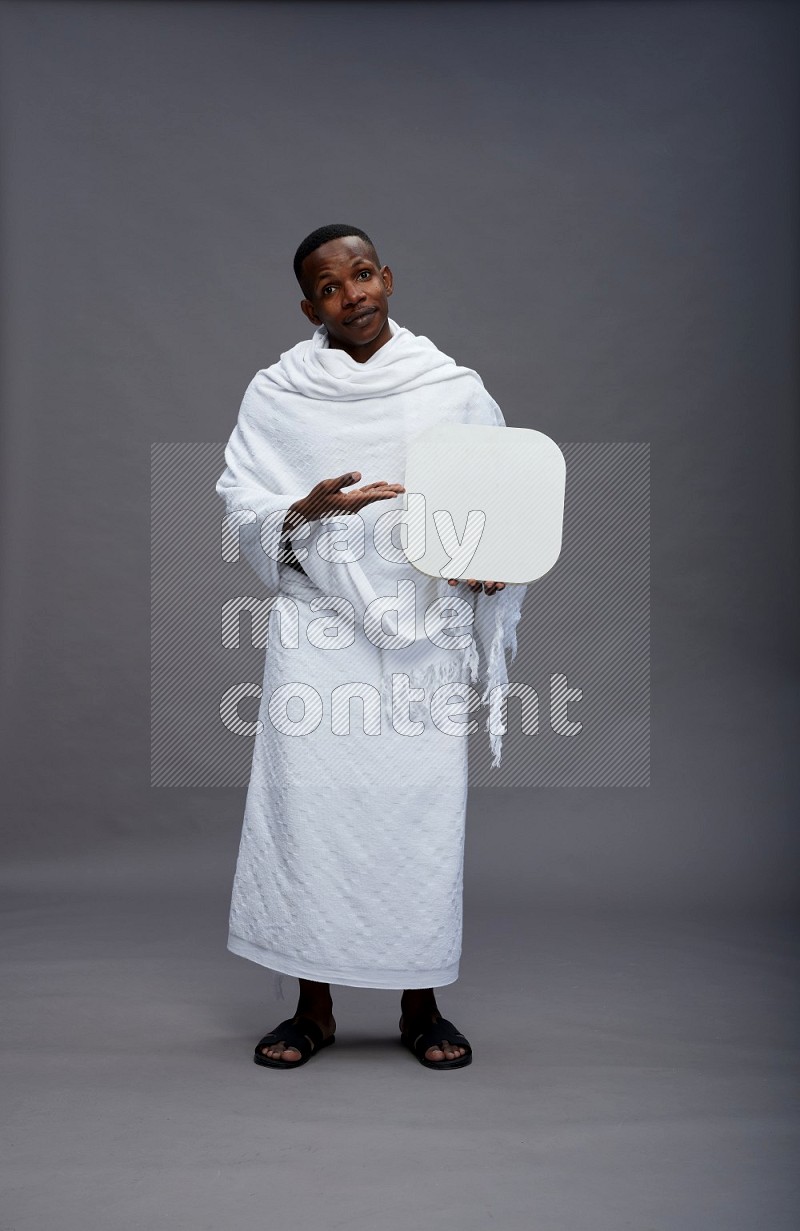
(351, 859)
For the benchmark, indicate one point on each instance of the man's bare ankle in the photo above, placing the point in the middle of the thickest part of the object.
(416, 1002)
(315, 1001)
(317, 1012)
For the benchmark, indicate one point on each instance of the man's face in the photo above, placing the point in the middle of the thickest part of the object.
(348, 293)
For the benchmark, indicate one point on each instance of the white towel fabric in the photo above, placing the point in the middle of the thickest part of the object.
(350, 863)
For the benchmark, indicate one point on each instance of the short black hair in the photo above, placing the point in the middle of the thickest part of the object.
(322, 235)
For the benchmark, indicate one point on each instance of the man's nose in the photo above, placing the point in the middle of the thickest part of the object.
(353, 291)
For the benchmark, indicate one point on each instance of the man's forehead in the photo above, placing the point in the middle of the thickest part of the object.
(339, 251)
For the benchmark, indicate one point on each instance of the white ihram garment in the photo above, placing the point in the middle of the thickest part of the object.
(350, 864)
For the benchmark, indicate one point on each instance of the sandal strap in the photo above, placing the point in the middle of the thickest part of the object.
(435, 1033)
(304, 1035)
(309, 1027)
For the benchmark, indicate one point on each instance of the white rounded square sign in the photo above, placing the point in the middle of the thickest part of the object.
(491, 500)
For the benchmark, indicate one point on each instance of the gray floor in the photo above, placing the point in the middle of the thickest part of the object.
(629, 1072)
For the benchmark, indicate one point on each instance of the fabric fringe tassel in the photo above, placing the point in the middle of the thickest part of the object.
(507, 613)
(504, 616)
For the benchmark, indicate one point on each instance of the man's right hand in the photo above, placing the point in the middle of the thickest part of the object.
(326, 499)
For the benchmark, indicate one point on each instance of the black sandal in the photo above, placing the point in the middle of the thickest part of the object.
(304, 1035)
(433, 1036)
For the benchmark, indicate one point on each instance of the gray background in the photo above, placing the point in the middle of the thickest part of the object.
(595, 206)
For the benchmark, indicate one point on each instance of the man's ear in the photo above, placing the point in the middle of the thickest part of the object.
(307, 308)
(388, 279)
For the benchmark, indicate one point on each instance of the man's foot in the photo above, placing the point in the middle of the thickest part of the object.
(279, 1050)
(418, 1020)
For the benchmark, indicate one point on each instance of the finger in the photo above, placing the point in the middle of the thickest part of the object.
(369, 497)
(344, 480)
(452, 581)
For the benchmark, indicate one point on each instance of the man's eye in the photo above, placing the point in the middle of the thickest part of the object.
(365, 271)
(327, 288)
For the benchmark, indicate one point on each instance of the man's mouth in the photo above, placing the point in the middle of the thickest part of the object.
(362, 316)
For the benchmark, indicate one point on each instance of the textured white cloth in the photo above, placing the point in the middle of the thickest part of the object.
(350, 863)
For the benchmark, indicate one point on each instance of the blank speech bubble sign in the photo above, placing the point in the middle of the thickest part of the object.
(493, 502)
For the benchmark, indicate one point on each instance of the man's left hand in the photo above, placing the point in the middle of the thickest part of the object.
(489, 587)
